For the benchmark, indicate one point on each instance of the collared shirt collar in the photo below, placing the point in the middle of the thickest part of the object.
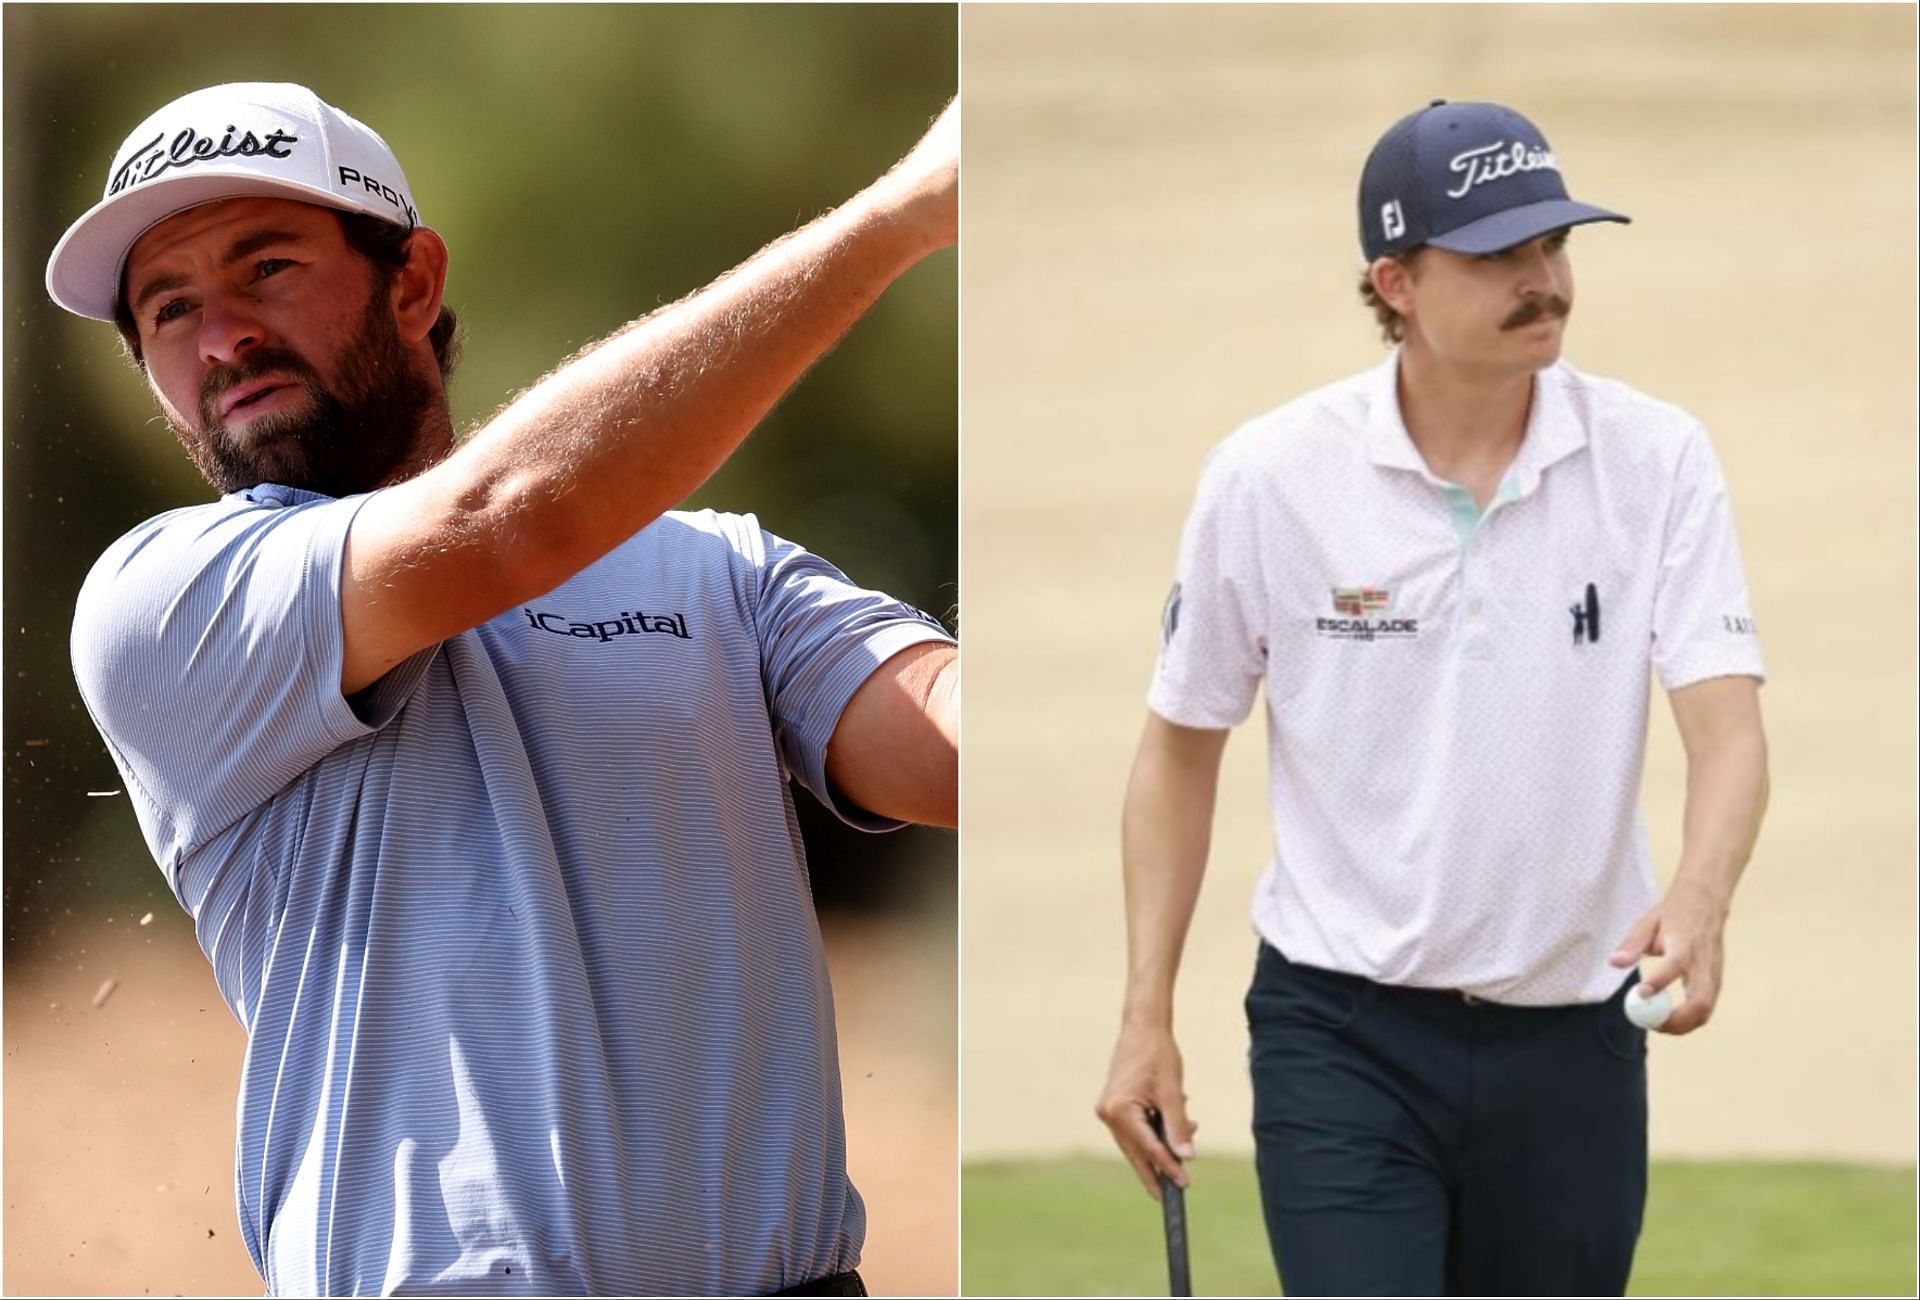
(1554, 431)
(277, 494)
(1388, 442)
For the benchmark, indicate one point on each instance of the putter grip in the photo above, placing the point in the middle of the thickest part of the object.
(1173, 1209)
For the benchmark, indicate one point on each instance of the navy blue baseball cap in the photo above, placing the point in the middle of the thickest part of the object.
(1469, 178)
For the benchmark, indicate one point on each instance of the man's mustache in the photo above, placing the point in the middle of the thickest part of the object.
(1534, 308)
(257, 364)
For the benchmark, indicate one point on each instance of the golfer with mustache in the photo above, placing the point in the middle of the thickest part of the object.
(1455, 575)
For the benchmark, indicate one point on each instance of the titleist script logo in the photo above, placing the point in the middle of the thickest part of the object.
(630, 623)
(1493, 162)
(188, 147)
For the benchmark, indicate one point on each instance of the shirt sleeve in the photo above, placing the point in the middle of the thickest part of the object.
(207, 644)
(1213, 648)
(821, 637)
(1702, 618)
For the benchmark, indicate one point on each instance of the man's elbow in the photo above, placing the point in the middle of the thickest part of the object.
(921, 788)
(896, 750)
(942, 797)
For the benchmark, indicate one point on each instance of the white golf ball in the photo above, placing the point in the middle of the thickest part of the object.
(1648, 1013)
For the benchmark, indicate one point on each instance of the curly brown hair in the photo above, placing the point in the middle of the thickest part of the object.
(1393, 326)
(385, 246)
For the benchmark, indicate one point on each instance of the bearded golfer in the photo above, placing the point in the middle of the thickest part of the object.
(470, 762)
(1454, 575)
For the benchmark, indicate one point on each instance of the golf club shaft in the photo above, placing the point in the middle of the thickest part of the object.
(1173, 1209)
(1173, 1205)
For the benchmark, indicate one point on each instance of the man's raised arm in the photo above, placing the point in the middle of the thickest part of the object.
(627, 429)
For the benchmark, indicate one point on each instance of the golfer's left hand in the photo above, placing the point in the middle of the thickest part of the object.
(1683, 934)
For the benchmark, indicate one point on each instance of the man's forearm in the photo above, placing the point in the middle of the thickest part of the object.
(1166, 830)
(1726, 798)
(1719, 722)
(629, 428)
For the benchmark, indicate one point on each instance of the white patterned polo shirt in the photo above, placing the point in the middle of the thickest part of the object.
(1457, 700)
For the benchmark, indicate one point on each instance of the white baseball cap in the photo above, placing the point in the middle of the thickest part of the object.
(251, 137)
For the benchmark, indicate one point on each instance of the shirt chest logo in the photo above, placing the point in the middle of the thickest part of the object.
(1356, 608)
(629, 622)
(1586, 617)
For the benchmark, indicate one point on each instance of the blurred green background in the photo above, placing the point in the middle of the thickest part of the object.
(585, 164)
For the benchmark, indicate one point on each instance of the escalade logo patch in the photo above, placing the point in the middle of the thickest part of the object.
(1361, 601)
(1358, 604)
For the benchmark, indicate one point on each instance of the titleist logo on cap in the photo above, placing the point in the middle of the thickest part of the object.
(1492, 162)
(189, 147)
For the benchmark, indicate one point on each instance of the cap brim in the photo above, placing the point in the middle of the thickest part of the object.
(1504, 230)
(83, 274)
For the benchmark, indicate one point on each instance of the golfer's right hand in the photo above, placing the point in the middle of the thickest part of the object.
(1145, 1077)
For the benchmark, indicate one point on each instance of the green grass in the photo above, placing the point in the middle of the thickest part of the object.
(1082, 1226)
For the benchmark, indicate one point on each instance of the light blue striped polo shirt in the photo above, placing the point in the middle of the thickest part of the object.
(522, 938)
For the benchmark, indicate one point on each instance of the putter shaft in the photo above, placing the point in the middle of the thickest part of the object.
(1173, 1210)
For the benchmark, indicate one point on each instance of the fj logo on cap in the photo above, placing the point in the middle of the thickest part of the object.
(1393, 222)
(190, 147)
(1494, 162)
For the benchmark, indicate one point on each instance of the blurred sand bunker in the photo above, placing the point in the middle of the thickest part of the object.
(119, 1120)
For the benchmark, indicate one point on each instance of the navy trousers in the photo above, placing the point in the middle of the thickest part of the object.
(1414, 1142)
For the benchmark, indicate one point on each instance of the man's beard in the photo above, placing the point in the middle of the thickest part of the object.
(333, 443)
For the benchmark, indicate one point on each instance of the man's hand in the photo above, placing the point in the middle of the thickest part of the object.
(1684, 935)
(1145, 1077)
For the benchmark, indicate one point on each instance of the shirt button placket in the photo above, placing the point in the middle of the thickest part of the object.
(1476, 640)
